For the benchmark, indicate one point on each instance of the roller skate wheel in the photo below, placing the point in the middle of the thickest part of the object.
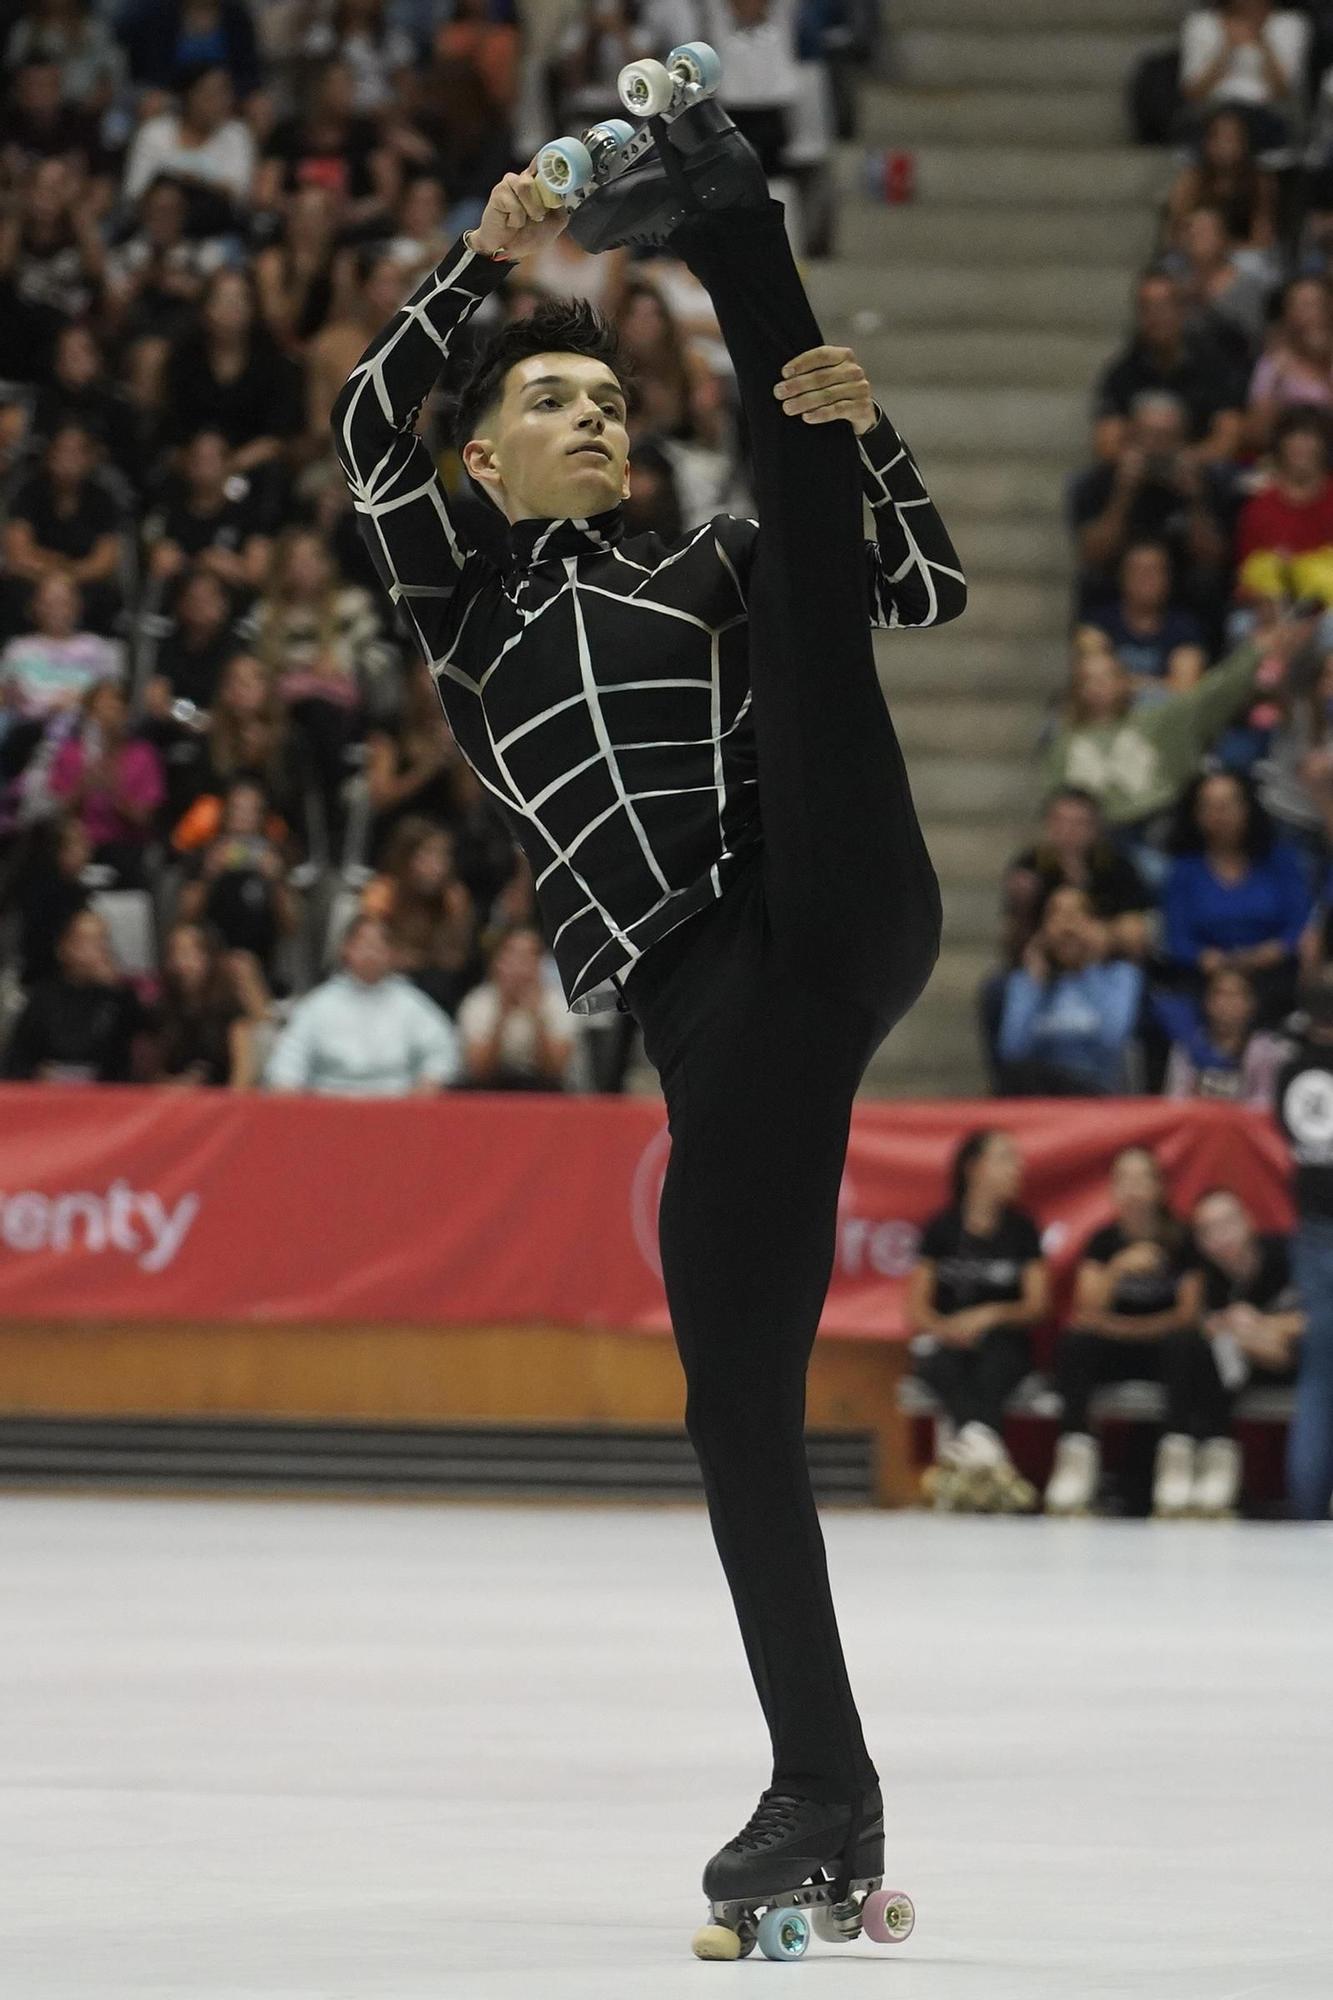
(888, 1916)
(783, 1934)
(698, 63)
(564, 167)
(716, 1941)
(646, 88)
(611, 132)
(827, 1928)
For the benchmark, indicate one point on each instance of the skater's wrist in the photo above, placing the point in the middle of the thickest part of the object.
(474, 241)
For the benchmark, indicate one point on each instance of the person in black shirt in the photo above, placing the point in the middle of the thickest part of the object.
(1073, 852)
(1251, 1331)
(978, 1289)
(226, 373)
(1162, 356)
(49, 892)
(83, 1025)
(201, 1034)
(64, 515)
(1138, 1301)
(208, 518)
(1305, 1114)
(691, 744)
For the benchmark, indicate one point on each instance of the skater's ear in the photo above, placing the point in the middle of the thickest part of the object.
(479, 460)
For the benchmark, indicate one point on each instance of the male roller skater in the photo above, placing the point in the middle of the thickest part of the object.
(690, 744)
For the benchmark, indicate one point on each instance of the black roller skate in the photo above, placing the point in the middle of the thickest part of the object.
(800, 1867)
(623, 185)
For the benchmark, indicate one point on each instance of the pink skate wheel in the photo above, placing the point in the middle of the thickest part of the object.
(887, 1916)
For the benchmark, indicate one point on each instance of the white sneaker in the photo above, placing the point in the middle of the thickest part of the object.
(1075, 1476)
(1173, 1475)
(1217, 1478)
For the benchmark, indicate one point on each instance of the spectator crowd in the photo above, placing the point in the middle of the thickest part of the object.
(237, 841)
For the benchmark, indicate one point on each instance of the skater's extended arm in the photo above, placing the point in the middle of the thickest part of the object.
(915, 575)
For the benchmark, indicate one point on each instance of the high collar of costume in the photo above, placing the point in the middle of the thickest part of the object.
(535, 541)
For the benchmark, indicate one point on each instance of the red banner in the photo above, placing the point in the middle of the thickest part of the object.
(157, 1205)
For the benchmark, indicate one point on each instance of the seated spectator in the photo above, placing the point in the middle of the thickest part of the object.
(1220, 1050)
(1073, 852)
(85, 1024)
(443, 122)
(1138, 1304)
(426, 226)
(1164, 360)
(329, 144)
(225, 374)
(1156, 641)
(1137, 761)
(208, 520)
(411, 770)
(111, 782)
(429, 913)
(1068, 1018)
(515, 1029)
(598, 41)
(156, 277)
(489, 43)
(563, 269)
(1224, 302)
(1226, 176)
(1296, 371)
(1296, 774)
(1251, 1335)
(47, 672)
(1154, 492)
(304, 279)
(377, 287)
(248, 734)
(1284, 539)
(1252, 55)
(653, 505)
(64, 519)
(238, 884)
(199, 639)
(979, 1287)
(205, 148)
(321, 642)
(52, 267)
(202, 1035)
(80, 393)
(679, 395)
(489, 861)
(49, 891)
(44, 121)
(359, 34)
(367, 1032)
(1235, 896)
(70, 37)
(163, 40)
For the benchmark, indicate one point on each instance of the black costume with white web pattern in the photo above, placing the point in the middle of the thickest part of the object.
(597, 683)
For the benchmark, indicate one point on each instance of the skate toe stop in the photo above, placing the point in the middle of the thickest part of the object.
(716, 1941)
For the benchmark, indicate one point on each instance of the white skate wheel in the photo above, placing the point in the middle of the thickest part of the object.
(698, 63)
(783, 1934)
(887, 1916)
(646, 88)
(614, 131)
(716, 1941)
(564, 167)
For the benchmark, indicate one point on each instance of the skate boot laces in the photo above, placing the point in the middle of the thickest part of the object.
(775, 1817)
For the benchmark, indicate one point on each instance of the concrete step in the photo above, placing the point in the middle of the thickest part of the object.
(976, 237)
(960, 786)
(935, 1052)
(1016, 422)
(972, 913)
(931, 726)
(1146, 17)
(922, 293)
(986, 116)
(1017, 175)
(1007, 489)
(970, 858)
(976, 357)
(972, 659)
(1040, 60)
(1015, 548)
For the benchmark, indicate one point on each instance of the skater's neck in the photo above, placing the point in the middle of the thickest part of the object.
(533, 538)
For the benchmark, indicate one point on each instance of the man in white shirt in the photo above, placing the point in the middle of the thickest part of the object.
(1248, 53)
(367, 1032)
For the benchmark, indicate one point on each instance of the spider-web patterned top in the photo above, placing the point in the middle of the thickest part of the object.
(597, 682)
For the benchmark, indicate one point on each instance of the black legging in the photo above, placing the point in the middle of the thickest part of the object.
(762, 1011)
(975, 1383)
(1086, 1362)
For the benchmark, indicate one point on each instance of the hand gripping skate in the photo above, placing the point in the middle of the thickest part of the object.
(627, 185)
(768, 1886)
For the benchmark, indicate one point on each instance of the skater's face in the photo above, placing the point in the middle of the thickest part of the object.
(555, 446)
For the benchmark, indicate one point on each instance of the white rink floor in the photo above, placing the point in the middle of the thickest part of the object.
(338, 1751)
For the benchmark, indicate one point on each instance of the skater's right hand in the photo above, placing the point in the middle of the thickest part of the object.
(516, 219)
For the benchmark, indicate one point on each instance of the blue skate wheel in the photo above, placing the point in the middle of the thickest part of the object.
(564, 167)
(615, 131)
(702, 63)
(783, 1934)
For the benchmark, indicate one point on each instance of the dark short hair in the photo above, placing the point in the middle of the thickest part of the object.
(554, 326)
